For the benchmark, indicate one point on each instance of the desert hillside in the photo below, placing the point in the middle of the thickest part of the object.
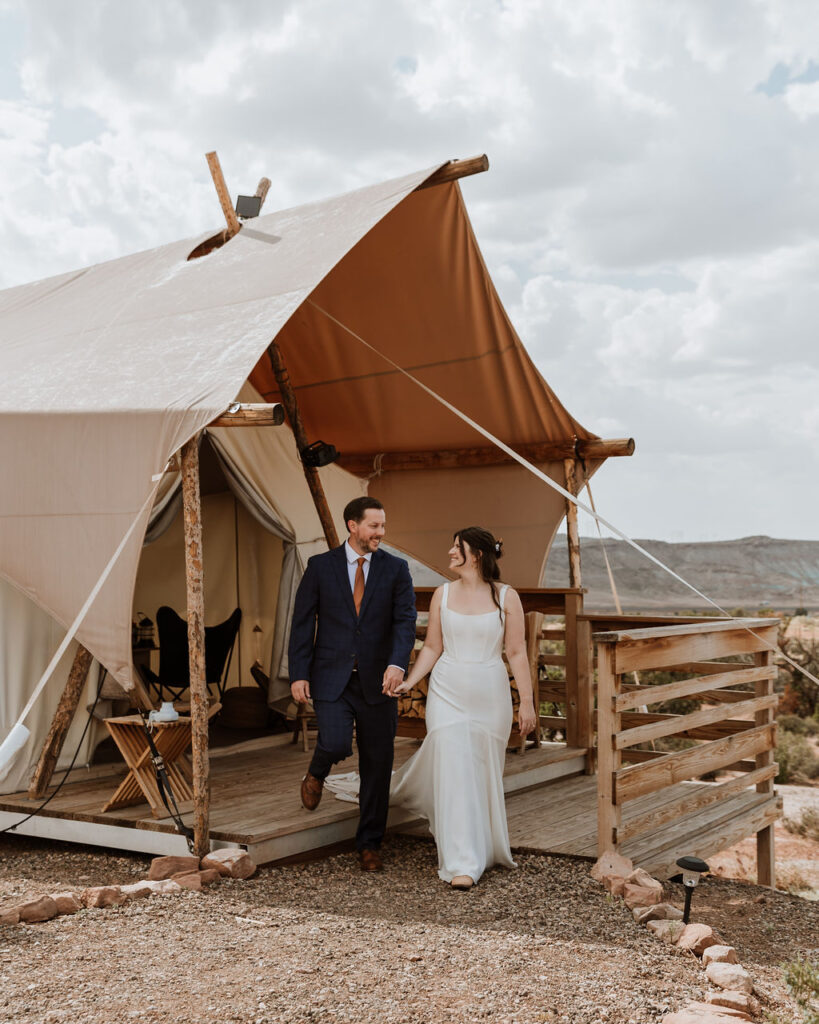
(749, 573)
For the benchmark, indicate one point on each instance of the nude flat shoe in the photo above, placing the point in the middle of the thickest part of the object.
(462, 882)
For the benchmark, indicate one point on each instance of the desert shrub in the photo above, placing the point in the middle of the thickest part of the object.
(799, 726)
(801, 696)
(802, 978)
(792, 880)
(807, 824)
(795, 757)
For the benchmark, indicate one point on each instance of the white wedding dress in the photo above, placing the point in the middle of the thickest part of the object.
(455, 779)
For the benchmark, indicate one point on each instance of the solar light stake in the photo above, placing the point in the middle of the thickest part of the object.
(692, 870)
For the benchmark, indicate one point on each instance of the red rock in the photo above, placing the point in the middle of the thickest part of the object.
(730, 1000)
(167, 867)
(668, 931)
(720, 955)
(137, 890)
(11, 916)
(724, 1011)
(67, 902)
(640, 896)
(657, 912)
(733, 977)
(694, 1014)
(640, 877)
(209, 875)
(697, 938)
(34, 911)
(614, 884)
(609, 864)
(188, 880)
(162, 887)
(103, 896)
(231, 862)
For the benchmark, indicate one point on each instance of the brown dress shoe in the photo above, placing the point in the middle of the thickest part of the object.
(311, 790)
(370, 860)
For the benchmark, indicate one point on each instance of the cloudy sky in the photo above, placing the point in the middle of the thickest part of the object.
(650, 215)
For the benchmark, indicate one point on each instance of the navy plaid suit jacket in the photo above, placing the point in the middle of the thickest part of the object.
(328, 639)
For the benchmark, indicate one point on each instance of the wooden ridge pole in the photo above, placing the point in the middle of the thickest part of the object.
(63, 717)
(311, 474)
(251, 414)
(192, 512)
(364, 463)
(233, 225)
(456, 169)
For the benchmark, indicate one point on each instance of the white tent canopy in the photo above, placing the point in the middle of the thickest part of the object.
(106, 372)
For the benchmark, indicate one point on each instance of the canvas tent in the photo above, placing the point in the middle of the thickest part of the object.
(107, 371)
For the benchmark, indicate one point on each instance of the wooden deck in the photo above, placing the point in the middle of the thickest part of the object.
(551, 806)
(562, 818)
(254, 802)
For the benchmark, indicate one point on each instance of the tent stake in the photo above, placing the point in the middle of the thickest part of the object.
(192, 511)
(310, 472)
(572, 535)
(63, 717)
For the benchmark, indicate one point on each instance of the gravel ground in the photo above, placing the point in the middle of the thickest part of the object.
(324, 942)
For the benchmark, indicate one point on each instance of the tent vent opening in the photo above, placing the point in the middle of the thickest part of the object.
(214, 242)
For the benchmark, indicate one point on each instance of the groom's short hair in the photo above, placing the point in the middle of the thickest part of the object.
(356, 508)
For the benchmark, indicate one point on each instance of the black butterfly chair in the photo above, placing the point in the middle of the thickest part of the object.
(174, 672)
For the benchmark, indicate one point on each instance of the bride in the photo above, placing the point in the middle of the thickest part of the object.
(455, 779)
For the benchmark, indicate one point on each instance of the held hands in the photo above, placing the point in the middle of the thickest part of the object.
(393, 681)
(526, 717)
(300, 691)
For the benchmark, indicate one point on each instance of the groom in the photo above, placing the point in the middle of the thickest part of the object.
(351, 636)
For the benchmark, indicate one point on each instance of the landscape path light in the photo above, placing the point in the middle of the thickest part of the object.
(692, 870)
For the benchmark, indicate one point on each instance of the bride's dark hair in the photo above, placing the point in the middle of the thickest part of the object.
(487, 550)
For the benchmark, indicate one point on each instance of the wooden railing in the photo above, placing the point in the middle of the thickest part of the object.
(573, 691)
(735, 730)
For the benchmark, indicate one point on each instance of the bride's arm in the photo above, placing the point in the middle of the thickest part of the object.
(432, 649)
(515, 643)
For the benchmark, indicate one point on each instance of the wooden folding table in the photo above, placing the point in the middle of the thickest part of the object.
(172, 740)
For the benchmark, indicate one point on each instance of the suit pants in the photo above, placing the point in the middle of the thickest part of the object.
(375, 726)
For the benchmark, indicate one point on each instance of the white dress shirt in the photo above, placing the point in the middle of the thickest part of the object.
(352, 565)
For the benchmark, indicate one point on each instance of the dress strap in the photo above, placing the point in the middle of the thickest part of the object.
(502, 598)
(445, 595)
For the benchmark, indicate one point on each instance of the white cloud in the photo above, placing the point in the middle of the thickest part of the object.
(651, 215)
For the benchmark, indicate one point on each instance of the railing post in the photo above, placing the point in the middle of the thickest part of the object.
(585, 692)
(573, 603)
(765, 862)
(609, 812)
(534, 624)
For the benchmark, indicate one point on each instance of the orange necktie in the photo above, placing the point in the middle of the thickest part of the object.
(358, 586)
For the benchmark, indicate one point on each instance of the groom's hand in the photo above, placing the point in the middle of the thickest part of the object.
(393, 678)
(300, 690)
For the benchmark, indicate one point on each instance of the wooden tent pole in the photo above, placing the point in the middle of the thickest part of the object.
(233, 225)
(63, 717)
(294, 416)
(363, 463)
(570, 468)
(192, 512)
